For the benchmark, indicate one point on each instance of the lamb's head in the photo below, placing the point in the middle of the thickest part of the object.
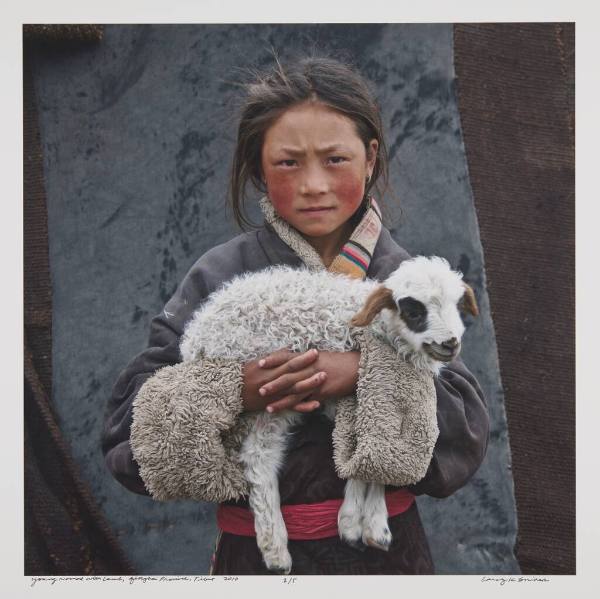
(421, 302)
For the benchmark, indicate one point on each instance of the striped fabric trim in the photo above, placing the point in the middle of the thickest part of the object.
(213, 557)
(355, 256)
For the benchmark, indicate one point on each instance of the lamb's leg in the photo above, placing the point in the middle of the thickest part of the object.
(376, 532)
(262, 454)
(350, 515)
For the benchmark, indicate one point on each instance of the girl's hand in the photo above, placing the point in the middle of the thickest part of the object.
(285, 377)
(341, 370)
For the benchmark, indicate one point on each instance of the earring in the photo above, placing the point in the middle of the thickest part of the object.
(368, 179)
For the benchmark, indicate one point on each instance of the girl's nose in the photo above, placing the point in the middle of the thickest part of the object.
(314, 181)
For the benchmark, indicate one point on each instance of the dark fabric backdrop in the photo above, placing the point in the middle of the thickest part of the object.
(516, 91)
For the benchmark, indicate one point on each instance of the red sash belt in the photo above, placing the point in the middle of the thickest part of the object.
(304, 521)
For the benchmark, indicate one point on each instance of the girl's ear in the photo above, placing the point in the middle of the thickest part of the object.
(372, 153)
(468, 303)
(378, 300)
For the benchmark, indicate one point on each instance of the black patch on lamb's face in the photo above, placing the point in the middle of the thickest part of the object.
(413, 313)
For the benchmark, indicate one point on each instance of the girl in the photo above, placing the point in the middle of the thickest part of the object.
(310, 138)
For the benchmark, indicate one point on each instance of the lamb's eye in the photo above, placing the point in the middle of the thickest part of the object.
(414, 313)
(411, 308)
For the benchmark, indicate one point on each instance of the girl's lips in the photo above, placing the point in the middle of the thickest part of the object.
(315, 209)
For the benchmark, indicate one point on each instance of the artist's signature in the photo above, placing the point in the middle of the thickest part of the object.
(502, 580)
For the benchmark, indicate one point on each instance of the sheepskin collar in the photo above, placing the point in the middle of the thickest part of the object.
(290, 236)
(354, 257)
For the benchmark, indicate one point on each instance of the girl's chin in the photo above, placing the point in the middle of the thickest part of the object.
(316, 232)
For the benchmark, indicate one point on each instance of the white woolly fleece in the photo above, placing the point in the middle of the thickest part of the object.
(189, 426)
(425, 278)
(258, 313)
(299, 309)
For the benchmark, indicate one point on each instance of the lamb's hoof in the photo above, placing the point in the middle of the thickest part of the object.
(376, 545)
(381, 541)
(350, 531)
(280, 563)
(354, 543)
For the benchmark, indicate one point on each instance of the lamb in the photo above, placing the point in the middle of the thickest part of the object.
(416, 311)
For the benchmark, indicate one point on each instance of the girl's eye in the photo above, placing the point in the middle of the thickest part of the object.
(288, 162)
(337, 159)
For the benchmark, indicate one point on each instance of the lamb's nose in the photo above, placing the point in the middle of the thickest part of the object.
(450, 344)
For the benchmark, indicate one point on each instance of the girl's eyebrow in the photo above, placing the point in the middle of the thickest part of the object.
(293, 151)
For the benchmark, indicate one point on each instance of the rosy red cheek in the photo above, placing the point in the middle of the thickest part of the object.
(281, 190)
(349, 190)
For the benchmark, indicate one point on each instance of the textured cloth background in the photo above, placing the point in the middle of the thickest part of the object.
(65, 532)
(516, 96)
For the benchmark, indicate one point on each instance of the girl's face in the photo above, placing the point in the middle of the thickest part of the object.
(315, 167)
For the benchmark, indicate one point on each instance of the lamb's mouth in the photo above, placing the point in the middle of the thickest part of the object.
(440, 353)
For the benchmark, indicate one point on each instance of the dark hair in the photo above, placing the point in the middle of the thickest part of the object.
(324, 80)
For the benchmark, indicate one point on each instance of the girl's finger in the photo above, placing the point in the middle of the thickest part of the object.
(286, 403)
(306, 406)
(289, 361)
(287, 383)
(281, 356)
(299, 362)
(309, 384)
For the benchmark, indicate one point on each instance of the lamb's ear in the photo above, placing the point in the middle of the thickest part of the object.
(468, 303)
(378, 300)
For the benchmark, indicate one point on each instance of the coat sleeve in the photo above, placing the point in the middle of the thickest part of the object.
(463, 423)
(162, 351)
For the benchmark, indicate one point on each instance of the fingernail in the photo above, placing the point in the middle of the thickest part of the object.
(269, 409)
(262, 391)
(261, 362)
